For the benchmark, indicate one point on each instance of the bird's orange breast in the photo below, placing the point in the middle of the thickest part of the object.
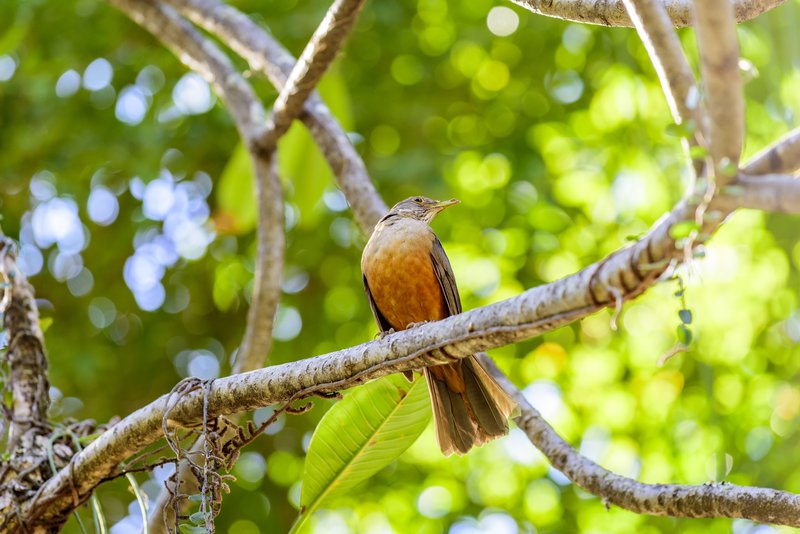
(397, 265)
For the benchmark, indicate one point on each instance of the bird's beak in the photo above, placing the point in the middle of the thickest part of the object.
(442, 204)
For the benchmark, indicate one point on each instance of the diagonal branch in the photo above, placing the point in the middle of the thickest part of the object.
(25, 354)
(612, 12)
(782, 156)
(777, 193)
(677, 80)
(676, 500)
(312, 64)
(266, 55)
(719, 59)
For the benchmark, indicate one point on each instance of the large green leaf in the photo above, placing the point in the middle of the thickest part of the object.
(361, 435)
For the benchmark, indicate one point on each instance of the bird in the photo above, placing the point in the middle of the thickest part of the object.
(408, 280)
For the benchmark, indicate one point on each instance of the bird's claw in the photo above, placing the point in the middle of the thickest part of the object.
(382, 334)
(414, 325)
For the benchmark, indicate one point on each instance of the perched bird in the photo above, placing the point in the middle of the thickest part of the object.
(408, 280)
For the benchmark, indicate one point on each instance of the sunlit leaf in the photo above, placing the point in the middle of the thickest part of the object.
(683, 229)
(361, 435)
(236, 195)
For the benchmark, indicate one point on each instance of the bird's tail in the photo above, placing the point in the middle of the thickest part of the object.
(469, 406)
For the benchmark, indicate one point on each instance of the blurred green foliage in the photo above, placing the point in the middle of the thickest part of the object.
(556, 138)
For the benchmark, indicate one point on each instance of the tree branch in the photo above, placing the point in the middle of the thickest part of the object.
(612, 12)
(257, 341)
(778, 193)
(25, 354)
(676, 500)
(312, 64)
(266, 55)
(781, 157)
(719, 59)
(677, 80)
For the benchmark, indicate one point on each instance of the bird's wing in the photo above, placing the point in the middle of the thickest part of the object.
(444, 274)
(383, 324)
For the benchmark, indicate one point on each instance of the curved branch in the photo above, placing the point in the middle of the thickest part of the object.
(266, 55)
(270, 250)
(612, 12)
(676, 500)
(719, 59)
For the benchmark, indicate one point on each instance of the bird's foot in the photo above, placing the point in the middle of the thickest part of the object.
(382, 334)
(414, 325)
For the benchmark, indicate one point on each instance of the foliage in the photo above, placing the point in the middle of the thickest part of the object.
(555, 137)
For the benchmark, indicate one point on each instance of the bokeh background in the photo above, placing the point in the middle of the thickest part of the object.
(123, 179)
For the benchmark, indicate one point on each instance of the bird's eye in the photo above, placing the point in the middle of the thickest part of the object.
(418, 200)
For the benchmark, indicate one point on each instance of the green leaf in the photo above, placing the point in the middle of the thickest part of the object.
(45, 323)
(683, 229)
(698, 152)
(191, 529)
(198, 518)
(301, 161)
(684, 129)
(686, 316)
(236, 195)
(361, 435)
(684, 335)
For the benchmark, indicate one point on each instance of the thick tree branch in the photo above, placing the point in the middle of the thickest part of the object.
(266, 55)
(676, 500)
(25, 354)
(612, 12)
(781, 157)
(719, 59)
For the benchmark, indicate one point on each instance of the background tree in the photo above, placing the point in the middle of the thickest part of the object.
(556, 137)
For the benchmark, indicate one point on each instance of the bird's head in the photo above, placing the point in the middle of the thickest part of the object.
(421, 208)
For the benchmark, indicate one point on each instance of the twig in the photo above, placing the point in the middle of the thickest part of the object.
(778, 193)
(257, 341)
